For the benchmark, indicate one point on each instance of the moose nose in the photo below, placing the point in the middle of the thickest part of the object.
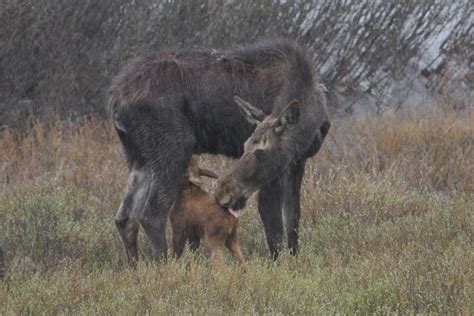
(240, 203)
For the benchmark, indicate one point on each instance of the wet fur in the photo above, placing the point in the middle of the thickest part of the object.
(196, 216)
(169, 105)
(201, 85)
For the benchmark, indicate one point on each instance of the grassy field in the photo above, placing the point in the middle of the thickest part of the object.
(387, 226)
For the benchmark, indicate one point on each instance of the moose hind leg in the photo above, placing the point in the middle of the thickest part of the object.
(269, 207)
(155, 214)
(166, 140)
(126, 219)
(164, 189)
(128, 230)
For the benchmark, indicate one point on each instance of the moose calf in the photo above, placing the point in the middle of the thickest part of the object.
(196, 215)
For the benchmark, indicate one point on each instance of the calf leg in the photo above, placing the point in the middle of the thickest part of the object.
(291, 204)
(214, 248)
(180, 233)
(234, 247)
(216, 256)
(179, 241)
(194, 242)
(269, 207)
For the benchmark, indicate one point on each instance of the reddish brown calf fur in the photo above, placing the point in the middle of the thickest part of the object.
(196, 215)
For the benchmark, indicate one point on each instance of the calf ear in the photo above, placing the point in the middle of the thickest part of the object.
(207, 173)
(252, 114)
(290, 115)
(195, 180)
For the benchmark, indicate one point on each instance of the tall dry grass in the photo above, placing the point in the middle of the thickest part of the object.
(387, 226)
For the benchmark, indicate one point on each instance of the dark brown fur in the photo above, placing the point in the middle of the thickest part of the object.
(196, 215)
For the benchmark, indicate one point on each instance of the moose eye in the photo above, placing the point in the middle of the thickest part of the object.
(259, 154)
(279, 129)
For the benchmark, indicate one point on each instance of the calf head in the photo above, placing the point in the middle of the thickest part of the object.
(267, 152)
(194, 172)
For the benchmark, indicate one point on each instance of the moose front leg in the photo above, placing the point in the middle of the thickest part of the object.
(270, 209)
(291, 204)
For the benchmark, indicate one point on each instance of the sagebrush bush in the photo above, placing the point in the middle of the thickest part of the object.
(49, 224)
(60, 55)
(387, 225)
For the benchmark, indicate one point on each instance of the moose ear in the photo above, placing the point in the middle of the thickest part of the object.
(252, 114)
(290, 115)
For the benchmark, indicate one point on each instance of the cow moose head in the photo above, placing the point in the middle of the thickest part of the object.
(268, 151)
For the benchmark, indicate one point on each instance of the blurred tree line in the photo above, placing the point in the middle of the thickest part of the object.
(58, 56)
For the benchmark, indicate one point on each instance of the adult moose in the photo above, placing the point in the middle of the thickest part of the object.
(169, 105)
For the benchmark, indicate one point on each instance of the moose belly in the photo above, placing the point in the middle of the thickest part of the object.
(221, 139)
(318, 140)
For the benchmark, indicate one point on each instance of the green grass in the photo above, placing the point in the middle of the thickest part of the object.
(411, 264)
(385, 228)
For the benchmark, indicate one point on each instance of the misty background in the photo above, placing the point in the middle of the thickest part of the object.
(57, 57)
